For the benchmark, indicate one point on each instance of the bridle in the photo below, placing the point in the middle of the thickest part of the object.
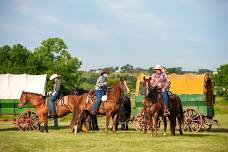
(24, 96)
(146, 88)
(125, 88)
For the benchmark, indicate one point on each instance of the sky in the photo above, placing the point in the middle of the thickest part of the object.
(192, 34)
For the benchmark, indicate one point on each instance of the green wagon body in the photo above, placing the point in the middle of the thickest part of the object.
(9, 107)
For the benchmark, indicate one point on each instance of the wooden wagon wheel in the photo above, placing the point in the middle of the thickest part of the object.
(139, 121)
(27, 121)
(206, 125)
(193, 120)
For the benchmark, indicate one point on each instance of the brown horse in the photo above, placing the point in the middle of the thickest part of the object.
(176, 109)
(153, 105)
(109, 108)
(38, 101)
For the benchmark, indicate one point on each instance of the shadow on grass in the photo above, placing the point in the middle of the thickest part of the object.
(9, 129)
(196, 135)
(60, 127)
(219, 130)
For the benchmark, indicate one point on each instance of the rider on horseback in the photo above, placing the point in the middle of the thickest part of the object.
(160, 79)
(55, 94)
(101, 87)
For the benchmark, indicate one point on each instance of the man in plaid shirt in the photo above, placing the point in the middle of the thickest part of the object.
(100, 88)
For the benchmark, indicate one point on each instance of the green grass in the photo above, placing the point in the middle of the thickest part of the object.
(63, 140)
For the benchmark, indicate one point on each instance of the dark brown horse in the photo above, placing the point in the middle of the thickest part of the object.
(109, 108)
(38, 101)
(176, 109)
(153, 105)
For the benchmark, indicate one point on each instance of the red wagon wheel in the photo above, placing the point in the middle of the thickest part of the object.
(139, 121)
(206, 125)
(193, 120)
(27, 121)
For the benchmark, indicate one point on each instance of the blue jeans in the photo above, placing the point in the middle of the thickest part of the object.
(99, 94)
(52, 102)
(166, 99)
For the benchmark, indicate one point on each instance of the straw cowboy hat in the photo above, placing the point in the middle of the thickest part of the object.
(158, 67)
(105, 71)
(54, 76)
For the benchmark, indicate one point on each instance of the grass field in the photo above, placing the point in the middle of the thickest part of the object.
(63, 140)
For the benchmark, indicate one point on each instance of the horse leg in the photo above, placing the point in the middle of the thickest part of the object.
(86, 123)
(114, 122)
(180, 123)
(155, 118)
(165, 124)
(77, 116)
(40, 123)
(152, 126)
(107, 122)
(46, 124)
(145, 124)
(172, 123)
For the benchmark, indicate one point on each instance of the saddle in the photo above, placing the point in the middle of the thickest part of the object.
(60, 101)
(171, 96)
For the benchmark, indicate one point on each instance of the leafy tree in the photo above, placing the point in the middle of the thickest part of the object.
(151, 70)
(52, 57)
(127, 68)
(14, 60)
(201, 71)
(176, 70)
(221, 80)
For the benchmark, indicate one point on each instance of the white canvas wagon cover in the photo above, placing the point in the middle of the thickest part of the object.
(12, 85)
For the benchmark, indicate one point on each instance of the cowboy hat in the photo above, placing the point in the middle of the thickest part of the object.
(104, 71)
(157, 67)
(54, 76)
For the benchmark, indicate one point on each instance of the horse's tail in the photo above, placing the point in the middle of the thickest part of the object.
(181, 111)
(73, 121)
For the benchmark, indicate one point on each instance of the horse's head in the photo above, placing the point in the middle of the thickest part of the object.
(154, 94)
(123, 85)
(23, 100)
(146, 86)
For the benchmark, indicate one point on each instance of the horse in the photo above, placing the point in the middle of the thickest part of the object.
(41, 105)
(109, 108)
(176, 109)
(93, 122)
(124, 112)
(153, 105)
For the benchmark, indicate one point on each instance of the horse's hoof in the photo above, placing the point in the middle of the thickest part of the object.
(164, 133)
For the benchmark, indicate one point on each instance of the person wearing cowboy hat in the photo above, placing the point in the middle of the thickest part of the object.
(100, 89)
(55, 94)
(160, 79)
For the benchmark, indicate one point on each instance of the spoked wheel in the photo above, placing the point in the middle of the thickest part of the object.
(27, 121)
(206, 125)
(139, 121)
(193, 120)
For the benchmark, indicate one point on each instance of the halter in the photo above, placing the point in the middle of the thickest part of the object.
(24, 99)
(125, 88)
(146, 88)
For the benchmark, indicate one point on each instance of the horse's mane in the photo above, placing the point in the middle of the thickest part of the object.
(153, 95)
(37, 94)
